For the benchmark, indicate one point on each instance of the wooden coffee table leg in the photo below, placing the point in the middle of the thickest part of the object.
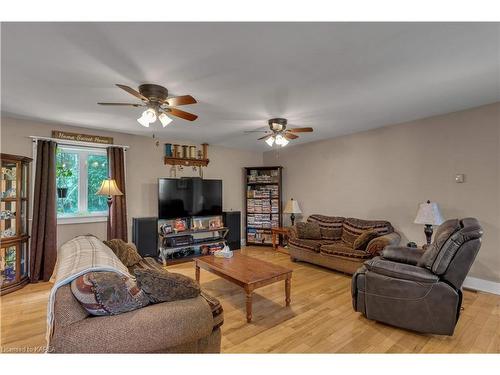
(197, 272)
(288, 287)
(249, 293)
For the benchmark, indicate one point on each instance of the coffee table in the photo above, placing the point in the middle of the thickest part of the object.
(247, 272)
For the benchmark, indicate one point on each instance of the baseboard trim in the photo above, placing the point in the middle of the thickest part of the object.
(482, 285)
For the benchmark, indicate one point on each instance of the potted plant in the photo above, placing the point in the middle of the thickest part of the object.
(62, 173)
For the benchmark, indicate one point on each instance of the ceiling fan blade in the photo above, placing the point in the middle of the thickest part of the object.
(129, 104)
(130, 90)
(256, 131)
(300, 130)
(264, 137)
(184, 115)
(288, 135)
(180, 100)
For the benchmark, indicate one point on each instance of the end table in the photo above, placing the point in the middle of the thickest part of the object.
(276, 233)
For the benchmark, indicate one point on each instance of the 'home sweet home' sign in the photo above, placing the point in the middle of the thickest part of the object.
(82, 137)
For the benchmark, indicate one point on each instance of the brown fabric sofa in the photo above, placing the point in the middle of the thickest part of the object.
(185, 326)
(335, 247)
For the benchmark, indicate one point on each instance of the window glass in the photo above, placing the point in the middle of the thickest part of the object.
(68, 181)
(97, 171)
(79, 174)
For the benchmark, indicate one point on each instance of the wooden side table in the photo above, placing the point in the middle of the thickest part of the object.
(276, 233)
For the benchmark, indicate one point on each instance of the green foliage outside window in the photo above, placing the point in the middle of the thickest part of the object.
(71, 190)
(67, 176)
(97, 169)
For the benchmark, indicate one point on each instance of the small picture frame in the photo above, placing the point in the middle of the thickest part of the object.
(166, 229)
(180, 225)
(198, 224)
(215, 223)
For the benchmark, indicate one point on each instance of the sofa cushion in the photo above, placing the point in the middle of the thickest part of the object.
(163, 286)
(309, 231)
(126, 252)
(330, 226)
(214, 304)
(352, 228)
(108, 293)
(361, 242)
(310, 245)
(443, 233)
(344, 251)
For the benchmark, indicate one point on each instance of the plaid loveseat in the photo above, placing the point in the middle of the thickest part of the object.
(334, 247)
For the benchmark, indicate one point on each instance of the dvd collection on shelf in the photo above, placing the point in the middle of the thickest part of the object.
(256, 176)
(263, 191)
(263, 207)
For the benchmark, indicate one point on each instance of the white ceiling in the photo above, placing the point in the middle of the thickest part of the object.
(339, 78)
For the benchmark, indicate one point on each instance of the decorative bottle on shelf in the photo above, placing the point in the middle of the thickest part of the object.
(176, 151)
(168, 149)
(192, 152)
(185, 151)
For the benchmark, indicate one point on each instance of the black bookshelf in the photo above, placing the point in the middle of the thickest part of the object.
(263, 203)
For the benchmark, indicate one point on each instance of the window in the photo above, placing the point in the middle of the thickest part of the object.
(79, 173)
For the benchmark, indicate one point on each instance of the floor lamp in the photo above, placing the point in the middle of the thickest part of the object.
(109, 189)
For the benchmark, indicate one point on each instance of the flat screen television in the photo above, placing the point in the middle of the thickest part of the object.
(183, 197)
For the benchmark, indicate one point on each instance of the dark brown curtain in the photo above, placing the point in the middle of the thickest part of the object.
(116, 157)
(43, 251)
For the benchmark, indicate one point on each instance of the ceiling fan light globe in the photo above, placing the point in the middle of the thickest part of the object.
(150, 114)
(280, 139)
(284, 142)
(270, 141)
(164, 119)
(144, 121)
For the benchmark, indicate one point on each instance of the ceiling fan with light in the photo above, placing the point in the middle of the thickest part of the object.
(279, 134)
(158, 104)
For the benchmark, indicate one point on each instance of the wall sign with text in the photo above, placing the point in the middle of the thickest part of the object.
(82, 137)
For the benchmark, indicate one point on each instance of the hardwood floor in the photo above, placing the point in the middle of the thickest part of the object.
(319, 320)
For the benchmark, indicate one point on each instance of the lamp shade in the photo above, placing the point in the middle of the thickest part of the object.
(429, 213)
(109, 188)
(292, 207)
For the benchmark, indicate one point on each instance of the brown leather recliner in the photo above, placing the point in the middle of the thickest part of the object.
(416, 289)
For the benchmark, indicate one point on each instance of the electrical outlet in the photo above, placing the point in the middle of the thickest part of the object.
(459, 178)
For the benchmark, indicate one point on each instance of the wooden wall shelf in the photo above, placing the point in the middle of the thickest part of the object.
(186, 162)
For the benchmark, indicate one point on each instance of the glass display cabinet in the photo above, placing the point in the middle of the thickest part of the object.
(14, 192)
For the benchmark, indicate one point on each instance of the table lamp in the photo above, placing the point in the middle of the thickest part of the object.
(109, 189)
(292, 207)
(429, 214)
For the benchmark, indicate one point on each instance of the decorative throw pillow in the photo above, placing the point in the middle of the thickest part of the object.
(332, 234)
(126, 252)
(309, 231)
(163, 286)
(443, 233)
(361, 242)
(108, 293)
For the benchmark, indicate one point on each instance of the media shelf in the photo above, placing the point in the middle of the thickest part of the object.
(190, 237)
(263, 203)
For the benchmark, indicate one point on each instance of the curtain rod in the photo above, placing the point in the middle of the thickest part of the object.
(77, 143)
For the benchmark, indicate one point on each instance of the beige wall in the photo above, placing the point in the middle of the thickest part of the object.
(144, 166)
(385, 173)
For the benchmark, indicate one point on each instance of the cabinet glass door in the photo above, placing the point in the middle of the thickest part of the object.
(7, 265)
(8, 179)
(8, 219)
(24, 258)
